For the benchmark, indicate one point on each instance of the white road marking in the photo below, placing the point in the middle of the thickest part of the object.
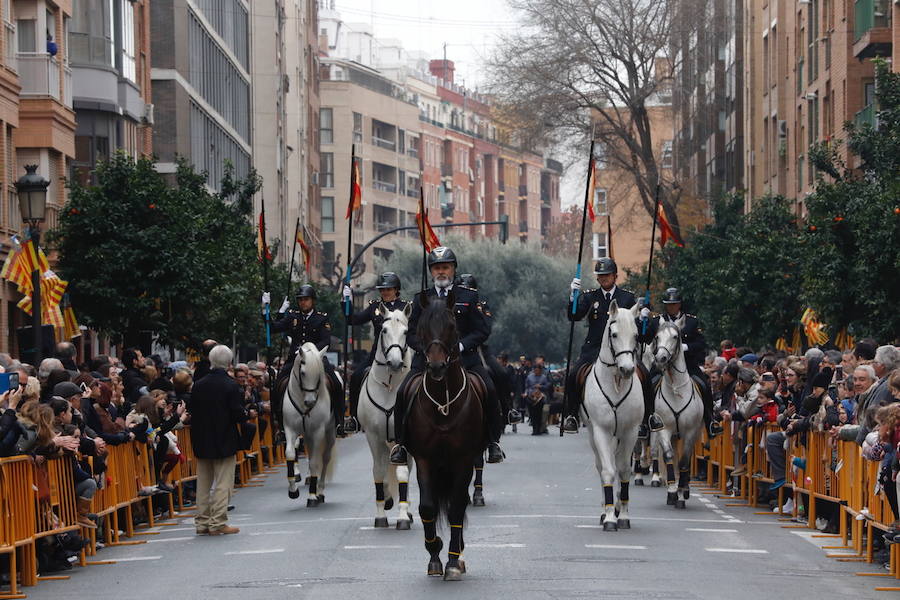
(711, 530)
(174, 539)
(737, 550)
(290, 532)
(615, 547)
(136, 558)
(487, 545)
(372, 547)
(272, 551)
(633, 518)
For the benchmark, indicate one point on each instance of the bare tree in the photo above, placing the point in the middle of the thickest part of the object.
(582, 68)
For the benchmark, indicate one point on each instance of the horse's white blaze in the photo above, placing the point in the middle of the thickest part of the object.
(613, 401)
(313, 420)
(379, 389)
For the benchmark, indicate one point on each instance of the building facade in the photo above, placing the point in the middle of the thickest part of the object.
(202, 85)
(285, 70)
(808, 69)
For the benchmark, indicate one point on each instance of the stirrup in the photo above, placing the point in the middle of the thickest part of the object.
(495, 453)
(398, 455)
(514, 417)
(570, 424)
(643, 432)
(351, 425)
(655, 422)
(714, 429)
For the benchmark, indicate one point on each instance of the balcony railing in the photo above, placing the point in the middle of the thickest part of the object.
(412, 152)
(869, 14)
(382, 226)
(385, 186)
(866, 116)
(413, 193)
(38, 74)
(67, 87)
(383, 143)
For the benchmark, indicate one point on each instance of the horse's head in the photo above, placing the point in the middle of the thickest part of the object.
(310, 372)
(666, 344)
(437, 333)
(621, 338)
(392, 341)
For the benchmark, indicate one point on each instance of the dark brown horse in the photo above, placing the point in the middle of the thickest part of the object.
(447, 433)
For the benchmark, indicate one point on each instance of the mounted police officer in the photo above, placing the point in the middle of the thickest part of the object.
(593, 305)
(388, 286)
(498, 373)
(693, 344)
(473, 328)
(306, 324)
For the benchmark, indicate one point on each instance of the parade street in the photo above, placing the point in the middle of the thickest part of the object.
(538, 537)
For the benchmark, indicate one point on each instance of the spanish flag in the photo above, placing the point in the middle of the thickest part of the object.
(665, 230)
(355, 187)
(592, 189)
(426, 233)
(303, 248)
(262, 248)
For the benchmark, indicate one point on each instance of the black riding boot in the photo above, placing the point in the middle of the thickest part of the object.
(713, 427)
(494, 417)
(401, 405)
(356, 381)
(573, 395)
(651, 420)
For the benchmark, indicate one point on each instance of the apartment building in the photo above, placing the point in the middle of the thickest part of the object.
(363, 109)
(285, 70)
(202, 85)
(808, 69)
(37, 121)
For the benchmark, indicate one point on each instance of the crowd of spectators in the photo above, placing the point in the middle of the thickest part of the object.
(77, 412)
(852, 395)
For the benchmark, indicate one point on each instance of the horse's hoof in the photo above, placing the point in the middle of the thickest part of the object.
(453, 574)
(389, 504)
(656, 484)
(381, 522)
(617, 513)
(602, 518)
(610, 526)
(435, 568)
(679, 504)
(312, 502)
(478, 500)
(686, 494)
(639, 482)
(321, 498)
(306, 481)
(462, 566)
(670, 498)
(624, 523)
(403, 524)
(293, 495)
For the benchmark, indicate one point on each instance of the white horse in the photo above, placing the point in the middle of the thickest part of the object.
(680, 406)
(614, 404)
(307, 413)
(377, 400)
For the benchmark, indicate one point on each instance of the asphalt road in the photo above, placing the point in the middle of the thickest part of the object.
(538, 537)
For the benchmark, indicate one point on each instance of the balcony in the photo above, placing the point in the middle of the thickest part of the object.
(383, 143)
(382, 226)
(866, 116)
(523, 227)
(384, 186)
(67, 87)
(523, 191)
(11, 44)
(38, 74)
(412, 152)
(872, 31)
(446, 170)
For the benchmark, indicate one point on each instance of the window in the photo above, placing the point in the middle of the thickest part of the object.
(599, 245)
(600, 202)
(401, 141)
(129, 50)
(92, 34)
(666, 159)
(600, 155)
(327, 214)
(401, 179)
(326, 126)
(357, 128)
(326, 169)
(327, 256)
(26, 30)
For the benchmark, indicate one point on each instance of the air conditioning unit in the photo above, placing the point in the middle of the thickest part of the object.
(149, 112)
(782, 129)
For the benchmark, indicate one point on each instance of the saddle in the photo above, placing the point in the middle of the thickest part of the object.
(582, 375)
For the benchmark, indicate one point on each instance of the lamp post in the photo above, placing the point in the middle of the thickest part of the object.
(32, 191)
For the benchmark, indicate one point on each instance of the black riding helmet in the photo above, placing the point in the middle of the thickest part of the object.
(441, 254)
(468, 280)
(672, 296)
(306, 291)
(388, 280)
(606, 266)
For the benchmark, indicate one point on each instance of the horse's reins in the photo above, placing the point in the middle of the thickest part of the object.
(613, 405)
(444, 408)
(386, 411)
(303, 413)
(671, 365)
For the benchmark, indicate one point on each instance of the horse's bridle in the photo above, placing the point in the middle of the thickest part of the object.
(384, 352)
(671, 361)
(444, 408)
(314, 390)
(612, 348)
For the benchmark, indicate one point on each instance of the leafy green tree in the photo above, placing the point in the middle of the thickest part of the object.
(852, 275)
(527, 291)
(176, 260)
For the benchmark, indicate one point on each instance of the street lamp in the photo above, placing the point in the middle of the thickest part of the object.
(32, 191)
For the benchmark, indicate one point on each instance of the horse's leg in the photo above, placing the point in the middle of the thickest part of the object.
(684, 473)
(456, 515)
(327, 455)
(314, 454)
(379, 469)
(668, 455)
(625, 472)
(654, 455)
(637, 455)
(290, 458)
(604, 459)
(478, 493)
(428, 514)
(404, 519)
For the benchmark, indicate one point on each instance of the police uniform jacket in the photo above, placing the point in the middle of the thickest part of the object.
(692, 335)
(311, 327)
(375, 315)
(594, 305)
(472, 325)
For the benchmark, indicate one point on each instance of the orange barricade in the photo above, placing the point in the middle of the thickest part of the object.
(17, 520)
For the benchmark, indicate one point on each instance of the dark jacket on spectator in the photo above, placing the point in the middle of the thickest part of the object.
(216, 408)
(132, 382)
(92, 420)
(10, 432)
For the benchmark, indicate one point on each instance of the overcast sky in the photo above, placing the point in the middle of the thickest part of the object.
(468, 27)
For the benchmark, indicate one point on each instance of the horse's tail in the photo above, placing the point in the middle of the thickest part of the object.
(331, 466)
(441, 492)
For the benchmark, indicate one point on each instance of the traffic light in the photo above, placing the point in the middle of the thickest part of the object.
(504, 228)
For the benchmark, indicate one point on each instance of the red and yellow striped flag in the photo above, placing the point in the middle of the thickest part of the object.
(304, 248)
(14, 270)
(427, 235)
(592, 189)
(70, 323)
(262, 248)
(355, 187)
